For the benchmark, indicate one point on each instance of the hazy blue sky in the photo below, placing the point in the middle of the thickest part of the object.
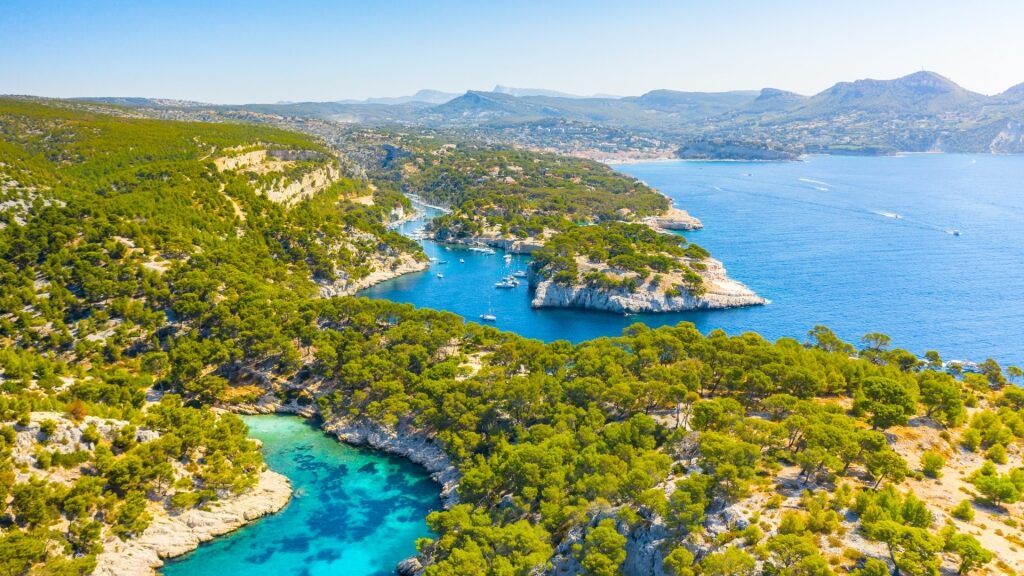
(260, 51)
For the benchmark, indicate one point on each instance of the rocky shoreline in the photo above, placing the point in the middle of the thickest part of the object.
(405, 264)
(720, 291)
(383, 270)
(674, 219)
(402, 440)
(173, 535)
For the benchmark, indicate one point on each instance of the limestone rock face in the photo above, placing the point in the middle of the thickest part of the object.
(644, 554)
(675, 219)
(720, 292)
(401, 440)
(383, 269)
(169, 536)
(409, 567)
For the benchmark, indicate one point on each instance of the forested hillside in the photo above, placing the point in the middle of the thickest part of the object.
(115, 234)
(143, 283)
(494, 191)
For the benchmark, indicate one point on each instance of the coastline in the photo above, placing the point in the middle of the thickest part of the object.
(721, 292)
(402, 441)
(405, 265)
(169, 536)
(801, 158)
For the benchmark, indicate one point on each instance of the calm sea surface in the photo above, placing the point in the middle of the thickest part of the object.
(353, 512)
(857, 244)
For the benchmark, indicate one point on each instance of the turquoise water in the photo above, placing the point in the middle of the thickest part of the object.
(821, 240)
(353, 511)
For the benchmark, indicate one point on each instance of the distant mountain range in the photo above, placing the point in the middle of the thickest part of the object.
(920, 112)
(423, 96)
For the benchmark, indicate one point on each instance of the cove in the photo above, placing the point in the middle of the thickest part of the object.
(353, 511)
(859, 244)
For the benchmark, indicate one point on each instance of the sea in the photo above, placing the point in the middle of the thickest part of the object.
(926, 248)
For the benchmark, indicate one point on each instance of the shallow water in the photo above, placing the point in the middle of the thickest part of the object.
(353, 512)
(858, 244)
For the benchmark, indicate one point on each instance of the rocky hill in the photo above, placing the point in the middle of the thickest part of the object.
(631, 268)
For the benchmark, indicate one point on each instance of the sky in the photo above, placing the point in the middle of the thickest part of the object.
(261, 51)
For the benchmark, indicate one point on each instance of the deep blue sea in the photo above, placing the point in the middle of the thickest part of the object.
(860, 244)
(353, 511)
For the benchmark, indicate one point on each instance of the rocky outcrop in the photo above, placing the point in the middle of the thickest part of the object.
(720, 291)
(644, 554)
(174, 535)
(409, 567)
(291, 191)
(674, 219)
(1009, 140)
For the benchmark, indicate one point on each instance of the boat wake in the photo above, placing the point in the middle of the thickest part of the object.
(816, 184)
(852, 209)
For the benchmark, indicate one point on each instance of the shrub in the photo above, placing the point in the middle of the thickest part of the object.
(971, 439)
(997, 454)
(932, 463)
(963, 511)
(47, 427)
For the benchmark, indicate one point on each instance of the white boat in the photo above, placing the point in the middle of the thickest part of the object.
(489, 316)
(504, 284)
(439, 275)
(442, 261)
(508, 258)
(519, 274)
(462, 260)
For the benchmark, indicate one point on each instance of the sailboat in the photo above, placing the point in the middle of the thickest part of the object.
(489, 316)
